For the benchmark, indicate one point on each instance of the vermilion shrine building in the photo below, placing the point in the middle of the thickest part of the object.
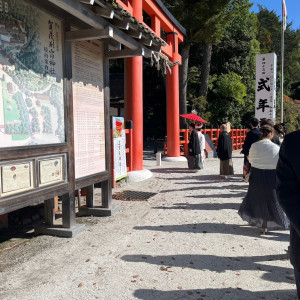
(161, 21)
(55, 99)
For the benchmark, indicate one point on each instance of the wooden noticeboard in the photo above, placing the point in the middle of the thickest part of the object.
(54, 109)
(88, 103)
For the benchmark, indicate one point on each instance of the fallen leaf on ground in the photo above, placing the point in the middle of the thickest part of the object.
(133, 280)
(80, 285)
(290, 278)
(136, 276)
(87, 260)
(224, 283)
(179, 287)
(163, 269)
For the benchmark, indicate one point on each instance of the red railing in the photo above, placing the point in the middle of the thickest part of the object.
(237, 135)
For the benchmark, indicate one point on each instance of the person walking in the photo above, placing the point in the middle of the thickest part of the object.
(201, 138)
(278, 134)
(260, 207)
(224, 151)
(194, 149)
(288, 190)
(251, 137)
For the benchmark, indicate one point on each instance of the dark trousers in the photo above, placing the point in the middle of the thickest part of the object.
(295, 257)
(193, 162)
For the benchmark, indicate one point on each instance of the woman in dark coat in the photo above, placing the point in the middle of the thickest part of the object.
(224, 151)
(194, 149)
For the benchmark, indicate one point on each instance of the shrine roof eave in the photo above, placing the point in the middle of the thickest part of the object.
(136, 40)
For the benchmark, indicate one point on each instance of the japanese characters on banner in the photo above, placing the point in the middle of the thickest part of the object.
(119, 142)
(265, 100)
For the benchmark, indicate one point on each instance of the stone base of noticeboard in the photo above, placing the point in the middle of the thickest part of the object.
(59, 230)
(97, 211)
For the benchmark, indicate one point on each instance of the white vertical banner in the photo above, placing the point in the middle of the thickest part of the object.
(119, 144)
(265, 100)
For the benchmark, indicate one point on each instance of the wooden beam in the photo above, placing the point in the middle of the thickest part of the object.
(122, 24)
(104, 12)
(91, 2)
(156, 48)
(89, 34)
(86, 15)
(135, 33)
(112, 44)
(125, 53)
(146, 41)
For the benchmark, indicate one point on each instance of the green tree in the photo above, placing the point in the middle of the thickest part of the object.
(204, 21)
(269, 36)
(229, 93)
(291, 112)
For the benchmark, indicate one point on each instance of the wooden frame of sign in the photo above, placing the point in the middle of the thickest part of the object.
(51, 169)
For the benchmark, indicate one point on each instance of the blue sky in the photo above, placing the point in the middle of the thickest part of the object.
(292, 6)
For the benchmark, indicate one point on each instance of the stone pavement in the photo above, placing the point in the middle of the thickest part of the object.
(185, 242)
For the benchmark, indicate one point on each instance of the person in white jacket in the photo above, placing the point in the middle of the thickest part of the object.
(201, 138)
(260, 207)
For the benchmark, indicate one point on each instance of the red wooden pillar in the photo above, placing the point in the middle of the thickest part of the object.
(134, 96)
(173, 130)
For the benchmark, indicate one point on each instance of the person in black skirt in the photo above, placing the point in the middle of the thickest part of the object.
(260, 207)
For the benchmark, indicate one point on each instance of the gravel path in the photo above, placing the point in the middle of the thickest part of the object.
(186, 242)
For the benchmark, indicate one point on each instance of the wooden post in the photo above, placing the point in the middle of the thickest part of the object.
(68, 210)
(68, 200)
(4, 221)
(90, 196)
(106, 194)
(49, 209)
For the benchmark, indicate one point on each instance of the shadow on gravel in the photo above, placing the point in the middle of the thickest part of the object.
(173, 170)
(202, 178)
(224, 293)
(220, 264)
(219, 196)
(227, 187)
(201, 206)
(211, 228)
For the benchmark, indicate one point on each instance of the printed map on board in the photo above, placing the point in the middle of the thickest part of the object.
(31, 87)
